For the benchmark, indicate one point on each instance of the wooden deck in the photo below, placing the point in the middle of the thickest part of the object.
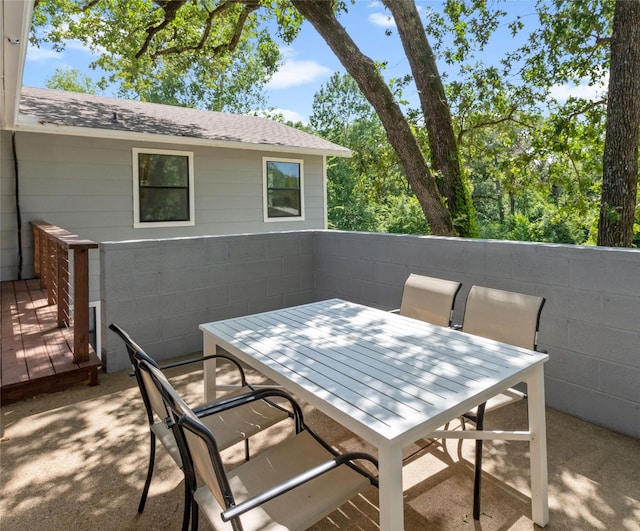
(37, 356)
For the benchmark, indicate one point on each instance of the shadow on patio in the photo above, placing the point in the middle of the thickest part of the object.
(77, 459)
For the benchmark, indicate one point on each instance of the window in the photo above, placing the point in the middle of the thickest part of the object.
(283, 189)
(162, 188)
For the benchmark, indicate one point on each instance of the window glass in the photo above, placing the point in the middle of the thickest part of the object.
(283, 180)
(164, 188)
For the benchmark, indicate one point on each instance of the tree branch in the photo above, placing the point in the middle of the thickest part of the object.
(171, 9)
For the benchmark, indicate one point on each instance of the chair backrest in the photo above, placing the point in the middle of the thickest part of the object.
(429, 299)
(152, 400)
(504, 316)
(198, 447)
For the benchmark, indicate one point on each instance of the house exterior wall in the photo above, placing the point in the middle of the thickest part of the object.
(85, 185)
(8, 222)
(161, 290)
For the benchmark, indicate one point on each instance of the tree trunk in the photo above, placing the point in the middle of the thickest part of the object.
(320, 14)
(442, 141)
(620, 160)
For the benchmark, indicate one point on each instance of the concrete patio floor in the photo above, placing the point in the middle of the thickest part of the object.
(77, 460)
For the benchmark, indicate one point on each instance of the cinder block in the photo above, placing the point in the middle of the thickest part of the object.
(598, 341)
(361, 269)
(265, 268)
(573, 367)
(207, 297)
(620, 381)
(182, 257)
(247, 291)
(267, 304)
(532, 264)
(349, 248)
(247, 250)
(216, 251)
(283, 247)
(574, 304)
(299, 297)
(301, 264)
(283, 285)
(410, 252)
(388, 273)
(621, 311)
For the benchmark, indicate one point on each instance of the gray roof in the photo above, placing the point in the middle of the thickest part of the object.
(57, 108)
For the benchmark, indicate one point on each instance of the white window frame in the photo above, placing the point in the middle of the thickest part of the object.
(265, 199)
(136, 189)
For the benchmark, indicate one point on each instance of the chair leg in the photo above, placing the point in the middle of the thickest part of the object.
(188, 502)
(478, 464)
(152, 458)
(194, 515)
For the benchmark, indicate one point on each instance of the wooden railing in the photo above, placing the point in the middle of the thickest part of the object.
(52, 246)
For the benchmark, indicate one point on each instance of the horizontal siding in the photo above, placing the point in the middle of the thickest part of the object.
(85, 185)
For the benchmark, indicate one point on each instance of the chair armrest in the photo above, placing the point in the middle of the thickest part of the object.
(296, 481)
(252, 396)
(205, 358)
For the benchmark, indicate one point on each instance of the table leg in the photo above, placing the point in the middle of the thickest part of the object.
(209, 369)
(390, 488)
(538, 447)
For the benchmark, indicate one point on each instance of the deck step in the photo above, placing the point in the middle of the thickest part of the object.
(37, 356)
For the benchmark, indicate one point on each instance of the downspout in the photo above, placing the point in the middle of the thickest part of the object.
(18, 214)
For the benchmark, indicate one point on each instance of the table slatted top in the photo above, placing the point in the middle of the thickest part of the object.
(380, 374)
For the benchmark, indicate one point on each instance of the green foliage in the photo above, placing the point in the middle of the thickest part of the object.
(369, 191)
(518, 140)
(72, 80)
(180, 53)
(534, 158)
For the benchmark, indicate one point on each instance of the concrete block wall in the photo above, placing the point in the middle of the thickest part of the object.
(161, 290)
(590, 324)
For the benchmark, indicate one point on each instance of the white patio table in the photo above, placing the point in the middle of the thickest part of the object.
(389, 379)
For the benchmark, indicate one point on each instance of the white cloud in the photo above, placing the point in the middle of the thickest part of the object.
(293, 73)
(583, 90)
(293, 116)
(36, 54)
(286, 114)
(382, 19)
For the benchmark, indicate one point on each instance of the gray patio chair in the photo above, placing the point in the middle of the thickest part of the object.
(508, 317)
(429, 299)
(232, 426)
(290, 485)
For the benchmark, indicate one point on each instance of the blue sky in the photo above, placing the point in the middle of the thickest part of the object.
(308, 62)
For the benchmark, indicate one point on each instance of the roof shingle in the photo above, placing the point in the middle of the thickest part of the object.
(70, 109)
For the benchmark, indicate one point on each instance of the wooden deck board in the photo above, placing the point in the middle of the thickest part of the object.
(36, 355)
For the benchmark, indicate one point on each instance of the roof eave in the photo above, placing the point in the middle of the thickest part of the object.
(55, 129)
(16, 23)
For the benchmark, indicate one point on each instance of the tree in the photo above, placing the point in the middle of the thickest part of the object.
(136, 35)
(620, 163)
(71, 80)
(367, 192)
(443, 147)
(171, 52)
(321, 15)
(570, 44)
